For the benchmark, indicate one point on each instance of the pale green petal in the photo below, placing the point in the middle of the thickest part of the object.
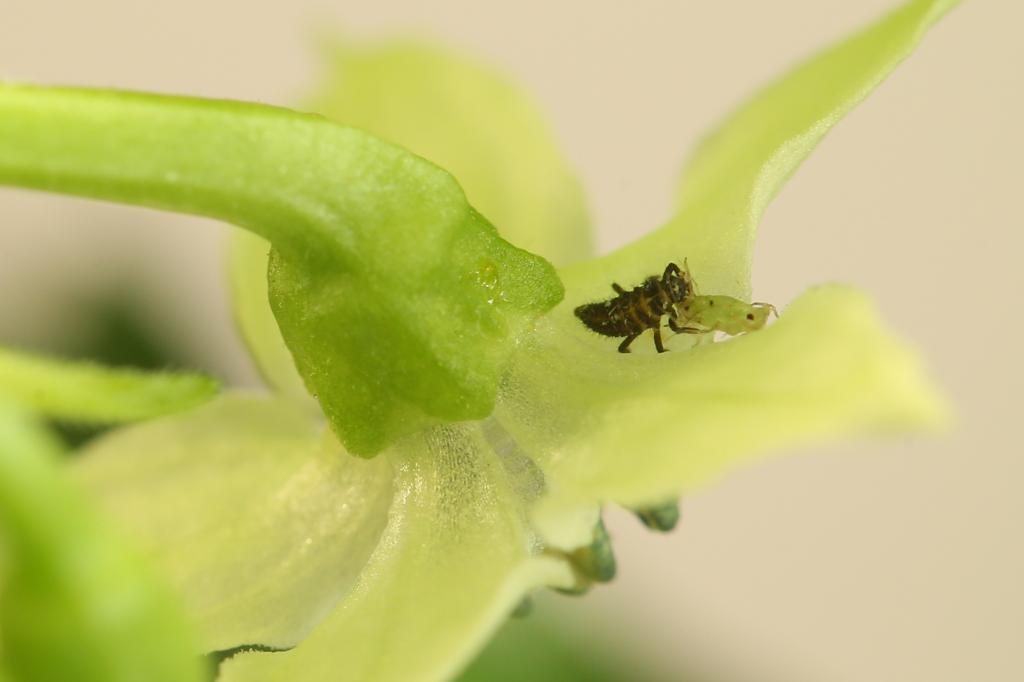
(74, 603)
(638, 429)
(258, 519)
(455, 559)
(398, 300)
(248, 257)
(755, 149)
(742, 165)
(87, 392)
(474, 121)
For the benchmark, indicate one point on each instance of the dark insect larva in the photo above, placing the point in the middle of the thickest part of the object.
(631, 313)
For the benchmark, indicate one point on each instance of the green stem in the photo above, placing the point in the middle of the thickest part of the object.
(296, 179)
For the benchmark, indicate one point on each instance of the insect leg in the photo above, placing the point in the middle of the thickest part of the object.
(618, 289)
(657, 340)
(624, 346)
(679, 328)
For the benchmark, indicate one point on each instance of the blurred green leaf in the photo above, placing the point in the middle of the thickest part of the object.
(114, 326)
(74, 604)
(539, 650)
(399, 302)
(86, 392)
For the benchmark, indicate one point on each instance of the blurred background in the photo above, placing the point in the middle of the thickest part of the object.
(877, 560)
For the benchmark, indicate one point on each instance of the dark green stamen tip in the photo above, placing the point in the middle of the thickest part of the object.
(593, 563)
(524, 608)
(578, 590)
(661, 518)
(597, 560)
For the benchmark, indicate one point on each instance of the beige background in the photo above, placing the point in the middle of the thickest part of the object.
(898, 560)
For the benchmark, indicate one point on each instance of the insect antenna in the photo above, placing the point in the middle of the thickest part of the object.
(695, 290)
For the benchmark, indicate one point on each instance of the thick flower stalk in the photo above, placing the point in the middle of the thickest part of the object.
(443, 431)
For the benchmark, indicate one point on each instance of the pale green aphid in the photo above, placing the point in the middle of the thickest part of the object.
(704, 314)
(697, 314)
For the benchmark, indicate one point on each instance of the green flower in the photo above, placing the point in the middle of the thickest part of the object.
(490, 426)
